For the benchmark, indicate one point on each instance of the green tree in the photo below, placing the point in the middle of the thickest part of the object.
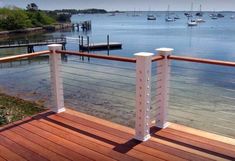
(14, 19)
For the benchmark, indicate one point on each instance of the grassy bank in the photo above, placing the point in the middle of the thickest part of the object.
(13, 109)
(16, 19)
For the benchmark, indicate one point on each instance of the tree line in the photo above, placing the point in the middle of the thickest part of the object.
(13, 19)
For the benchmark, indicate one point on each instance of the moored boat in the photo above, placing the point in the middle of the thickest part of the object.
(200, 20)
(192, 23)
(168, 18)
(151, 17)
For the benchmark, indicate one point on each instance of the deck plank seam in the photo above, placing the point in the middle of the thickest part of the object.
(28, 150)
(206, 143)
(128, 137)
(43, 145)
(140, 151)
(35, 144)
(204, 150)
(67, 140)
(98, 143)
(116, 135)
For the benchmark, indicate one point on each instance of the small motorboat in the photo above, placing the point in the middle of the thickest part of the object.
(168, 19)
(220, 15)
(192, 23)
(151, 17)
(200, 20)
(214, 17)
(176, 17)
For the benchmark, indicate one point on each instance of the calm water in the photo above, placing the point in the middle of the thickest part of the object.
(201, 96)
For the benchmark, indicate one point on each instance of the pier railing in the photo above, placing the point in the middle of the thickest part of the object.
(142, 90)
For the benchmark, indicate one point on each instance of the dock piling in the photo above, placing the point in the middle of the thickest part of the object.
(108, 46)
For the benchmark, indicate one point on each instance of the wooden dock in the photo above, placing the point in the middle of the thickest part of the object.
(88, 46)
(101, 46)
(76, 136)
(30, 44)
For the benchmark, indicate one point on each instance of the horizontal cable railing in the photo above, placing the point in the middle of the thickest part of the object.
(100, 89)
(202, 94)
(27, 78)
(104, 57)
(17, 57)
(198, 92)
(155, 91)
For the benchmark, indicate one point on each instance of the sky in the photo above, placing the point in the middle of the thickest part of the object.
(125, 5)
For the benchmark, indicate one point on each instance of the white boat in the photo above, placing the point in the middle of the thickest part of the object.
(199, 16)
(200, 20)
(151, 17)
(232, 17)
(176, 17)
(192, 23)
(214, 17)
(168, 18)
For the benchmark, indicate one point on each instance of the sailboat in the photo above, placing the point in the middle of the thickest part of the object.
(135, 14)
(214, 16)
(199, 15)
(192, 22)
(168, 18)
(151, 17)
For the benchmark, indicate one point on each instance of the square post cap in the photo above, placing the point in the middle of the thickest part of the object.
(144, 54)
(54, 47)
(164, 51)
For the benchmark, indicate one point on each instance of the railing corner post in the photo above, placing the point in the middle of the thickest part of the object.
(56, 79)
(143, 95)
(163, 72)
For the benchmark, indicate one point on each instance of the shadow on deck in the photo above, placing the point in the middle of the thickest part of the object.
(76, 136)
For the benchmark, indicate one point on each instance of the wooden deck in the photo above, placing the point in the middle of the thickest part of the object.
(75, 136)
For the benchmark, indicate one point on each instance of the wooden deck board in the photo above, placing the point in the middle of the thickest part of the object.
(9, 155)
(56, 147)
(20, 150)
(128, 134)
(112, 141)
(75, 136)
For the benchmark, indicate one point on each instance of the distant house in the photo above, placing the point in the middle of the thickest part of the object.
(32, 7)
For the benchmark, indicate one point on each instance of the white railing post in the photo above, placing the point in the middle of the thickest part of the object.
(56, 79)
(163, 75)
(143, 95)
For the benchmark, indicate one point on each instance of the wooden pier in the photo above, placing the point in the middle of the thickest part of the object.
(88, 46)
(30, 44)
(101, 46)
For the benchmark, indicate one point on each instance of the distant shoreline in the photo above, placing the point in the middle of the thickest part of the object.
(48, 28)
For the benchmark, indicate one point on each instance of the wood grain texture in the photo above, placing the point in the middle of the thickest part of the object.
(76, 136)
